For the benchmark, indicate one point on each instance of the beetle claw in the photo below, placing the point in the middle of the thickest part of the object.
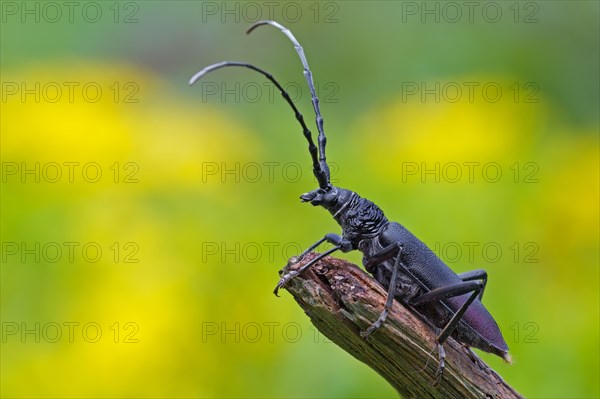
(284, 280)
(442, 365)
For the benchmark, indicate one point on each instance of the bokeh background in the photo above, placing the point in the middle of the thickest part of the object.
(144, 221)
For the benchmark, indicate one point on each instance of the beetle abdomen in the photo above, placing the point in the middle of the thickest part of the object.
(477, 327)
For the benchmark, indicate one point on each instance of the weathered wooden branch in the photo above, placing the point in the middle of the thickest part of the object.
(342, 300)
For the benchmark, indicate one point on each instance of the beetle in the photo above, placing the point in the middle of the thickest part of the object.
(410, 272)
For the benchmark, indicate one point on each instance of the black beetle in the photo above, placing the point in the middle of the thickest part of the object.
(403, 264)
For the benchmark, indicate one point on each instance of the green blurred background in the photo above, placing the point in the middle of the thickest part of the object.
(154, 278)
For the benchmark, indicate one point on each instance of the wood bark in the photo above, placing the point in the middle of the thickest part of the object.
(342, 300)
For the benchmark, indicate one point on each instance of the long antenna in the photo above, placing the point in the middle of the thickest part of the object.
(308, 75)
(320, 174)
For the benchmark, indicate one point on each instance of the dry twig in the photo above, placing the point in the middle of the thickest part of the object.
(342, 300)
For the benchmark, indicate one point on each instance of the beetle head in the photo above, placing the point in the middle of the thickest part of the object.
(330, 198)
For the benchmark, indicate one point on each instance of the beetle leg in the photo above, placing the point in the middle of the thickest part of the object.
(447, 292)
(383, 255)
(391, 292)
(330, 238)
(298, 258)
(442, 365)
(478, 274)
(294, 273)
(340, 244)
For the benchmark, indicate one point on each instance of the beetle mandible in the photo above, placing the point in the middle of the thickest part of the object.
(399, 261)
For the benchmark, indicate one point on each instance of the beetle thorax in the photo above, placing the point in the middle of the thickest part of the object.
(358, 217)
